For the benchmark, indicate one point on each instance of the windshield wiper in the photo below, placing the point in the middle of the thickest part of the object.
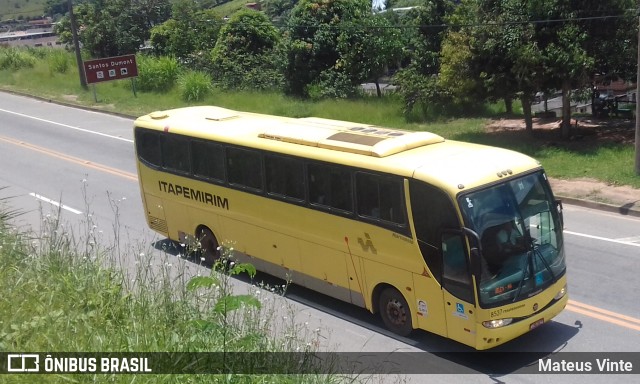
(536, 251)
(529, 268)
(525, 270)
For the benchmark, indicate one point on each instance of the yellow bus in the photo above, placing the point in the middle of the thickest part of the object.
(458, 239)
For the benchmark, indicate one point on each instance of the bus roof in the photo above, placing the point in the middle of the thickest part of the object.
(408, 153)
(337, 135)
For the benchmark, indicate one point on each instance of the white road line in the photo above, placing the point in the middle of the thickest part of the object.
(53, 202)
(67, 126)
(634, 239)
(603, 239)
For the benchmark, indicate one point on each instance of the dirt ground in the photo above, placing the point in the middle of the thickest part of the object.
(585, 132)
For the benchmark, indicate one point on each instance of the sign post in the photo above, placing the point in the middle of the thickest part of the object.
(110, 68)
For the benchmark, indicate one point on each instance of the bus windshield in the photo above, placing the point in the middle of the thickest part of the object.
(520, 236)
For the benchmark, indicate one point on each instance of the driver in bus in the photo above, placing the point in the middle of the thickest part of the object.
(509, 238)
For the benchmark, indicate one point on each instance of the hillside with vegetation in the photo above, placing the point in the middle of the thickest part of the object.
(18, 10)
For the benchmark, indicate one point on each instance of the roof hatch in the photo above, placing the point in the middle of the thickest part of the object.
(349, 137)
(220, 114)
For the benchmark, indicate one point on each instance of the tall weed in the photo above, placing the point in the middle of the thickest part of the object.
(73, 290)
(156, 74)
(58, 61)
(14, 59)
(194, 85)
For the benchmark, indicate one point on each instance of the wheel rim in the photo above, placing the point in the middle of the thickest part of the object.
(396, 313)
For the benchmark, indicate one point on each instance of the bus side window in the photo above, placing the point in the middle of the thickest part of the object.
(285, 177)
(207, 160)
(148, 146)
(330, 186)
(380, 197)
(175, 153)
(244, 168)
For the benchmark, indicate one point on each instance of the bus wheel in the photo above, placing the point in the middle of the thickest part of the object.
(209, 251)
(395, 312)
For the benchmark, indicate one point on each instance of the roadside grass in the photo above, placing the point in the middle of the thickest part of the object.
(64, 293)
(12, 9)
(605, 161)
(613, 164)
(608, 161)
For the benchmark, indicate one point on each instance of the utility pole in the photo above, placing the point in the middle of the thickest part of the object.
(76, 45)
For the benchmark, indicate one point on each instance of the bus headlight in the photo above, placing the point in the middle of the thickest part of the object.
(496, 323)
(561, 293)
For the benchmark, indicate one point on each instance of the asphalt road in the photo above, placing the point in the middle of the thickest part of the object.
(81, 163)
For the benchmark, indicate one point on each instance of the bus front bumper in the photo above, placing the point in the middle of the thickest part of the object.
(492, 337)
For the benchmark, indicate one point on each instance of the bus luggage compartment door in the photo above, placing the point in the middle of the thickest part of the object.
(155, 214)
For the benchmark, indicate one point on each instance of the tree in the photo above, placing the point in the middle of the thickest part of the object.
(458, 77)
(424, 33)
(53, 8)
(540, 46)
(593, 38)
(506, 55)
(112, 28)
(189, 35)
(155, 11)
(568, 65)
(278, 9)
(369, 49)
(245, 55)
(313, 55)
(402, 3)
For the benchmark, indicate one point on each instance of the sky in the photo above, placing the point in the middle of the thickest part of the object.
(379, 4)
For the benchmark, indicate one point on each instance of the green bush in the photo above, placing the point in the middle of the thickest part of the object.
(331, 84)
(15, 58)
(194, 85)
(58, 61)
(156, 74)
(246, 55)
(38, 52)
(244, 72)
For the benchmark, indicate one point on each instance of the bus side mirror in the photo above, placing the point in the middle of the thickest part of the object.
(476, 266)
(475, 253)
(560, 212)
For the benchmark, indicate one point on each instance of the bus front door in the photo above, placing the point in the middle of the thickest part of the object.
(457, 290)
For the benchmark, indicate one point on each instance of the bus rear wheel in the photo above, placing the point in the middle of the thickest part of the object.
(395, 312)
(209, 250)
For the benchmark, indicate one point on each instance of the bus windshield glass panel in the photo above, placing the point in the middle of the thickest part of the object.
(520, 236)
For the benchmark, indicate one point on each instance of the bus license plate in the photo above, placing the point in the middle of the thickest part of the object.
(536, 324)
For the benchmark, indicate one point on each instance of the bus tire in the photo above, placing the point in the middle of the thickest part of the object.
(209, 248)
(395, 312)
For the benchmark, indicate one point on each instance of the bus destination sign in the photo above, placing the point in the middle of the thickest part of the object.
(110, 68)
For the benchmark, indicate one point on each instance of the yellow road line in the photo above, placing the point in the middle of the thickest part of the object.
(72, 159)
(603, 314)
(599, 316)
